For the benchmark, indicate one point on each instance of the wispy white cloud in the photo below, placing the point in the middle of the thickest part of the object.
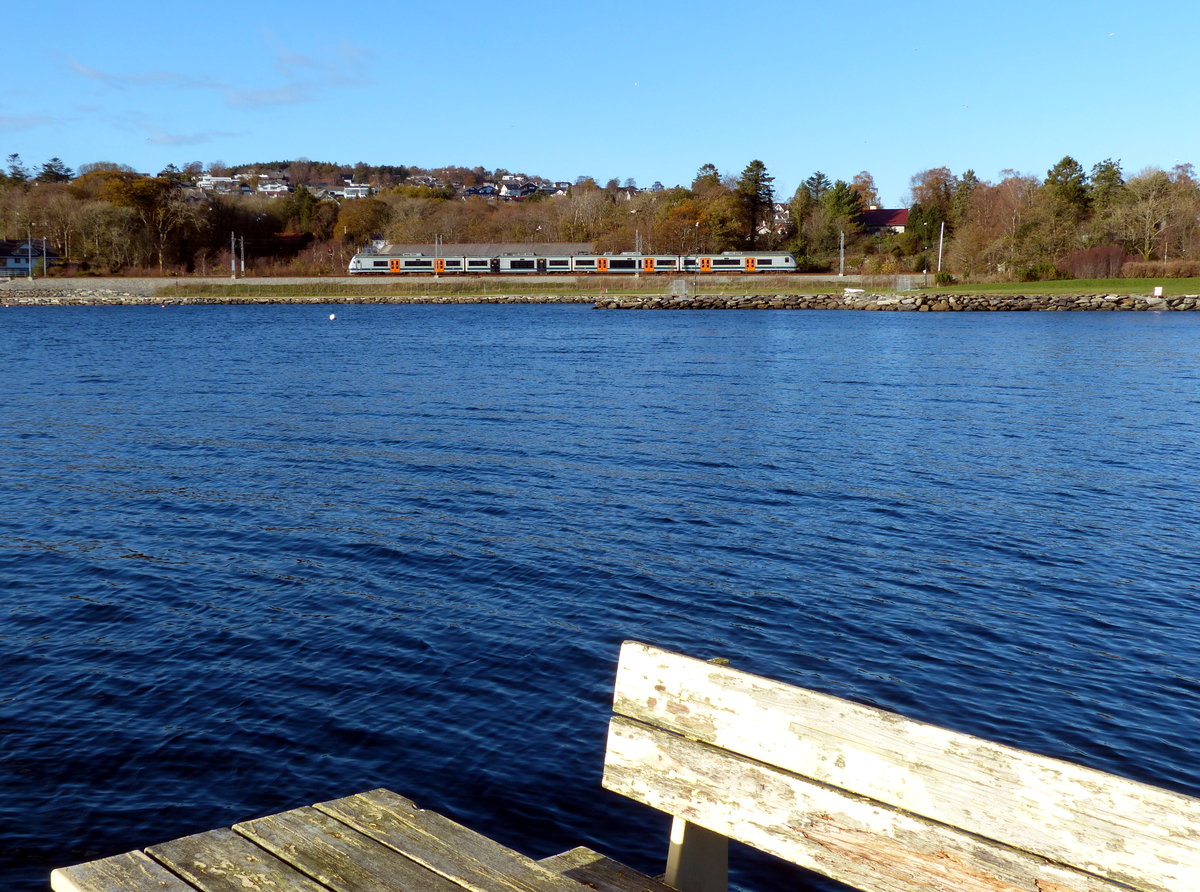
(13, 123)
(347, 64)
(289, 94)
(305, 77)
(137, 79)
(188, 139)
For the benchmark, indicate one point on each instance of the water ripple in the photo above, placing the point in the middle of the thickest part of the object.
(252, 559)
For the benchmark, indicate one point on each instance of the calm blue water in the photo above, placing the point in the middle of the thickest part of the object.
(252, 559)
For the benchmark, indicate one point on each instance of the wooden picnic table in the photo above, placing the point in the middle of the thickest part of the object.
(377, 841)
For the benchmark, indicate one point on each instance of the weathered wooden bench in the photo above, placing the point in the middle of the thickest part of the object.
(864, 796)
(873, 799)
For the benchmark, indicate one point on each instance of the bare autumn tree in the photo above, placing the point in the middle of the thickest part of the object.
(934, 189)
(157, 203)
(361, 218)
(1143, 217)
(1182, 239)
(864, 184)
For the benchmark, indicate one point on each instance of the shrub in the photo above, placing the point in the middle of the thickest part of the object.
(1043, 272)
(806, 264)
(1149, 269)
(1103, 262)
(943, 279)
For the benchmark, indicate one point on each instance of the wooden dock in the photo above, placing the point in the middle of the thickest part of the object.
(377, 841)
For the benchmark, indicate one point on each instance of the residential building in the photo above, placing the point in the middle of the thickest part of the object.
(221, 185)
(876, 219)
(15, 255)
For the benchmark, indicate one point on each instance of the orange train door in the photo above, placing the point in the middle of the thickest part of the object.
(601, 264)
(648, 264)
(751, 264)
(706, 264)
(439, 266)
(394, 267)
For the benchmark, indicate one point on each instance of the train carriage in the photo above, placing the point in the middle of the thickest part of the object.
(517, 263)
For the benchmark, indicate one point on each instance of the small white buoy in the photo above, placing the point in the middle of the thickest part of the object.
(332, 316)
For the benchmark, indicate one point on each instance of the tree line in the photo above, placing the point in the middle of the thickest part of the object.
(108, 218)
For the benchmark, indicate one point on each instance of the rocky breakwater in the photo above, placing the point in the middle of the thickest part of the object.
(919, 303)
(97, 296)
(49, 297)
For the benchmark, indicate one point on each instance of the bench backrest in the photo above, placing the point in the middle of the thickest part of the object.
(873, 799)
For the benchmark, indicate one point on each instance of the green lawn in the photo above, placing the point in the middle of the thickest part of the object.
(1170, 287)
(534, 287)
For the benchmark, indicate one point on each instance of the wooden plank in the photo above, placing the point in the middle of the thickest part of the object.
(600, 873)
(338, 856)
(131, 872)
(222, 861)
(1129, 832)
(447, 848)
(859, 842)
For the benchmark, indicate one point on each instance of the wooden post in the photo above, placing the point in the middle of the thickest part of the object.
(698, 860)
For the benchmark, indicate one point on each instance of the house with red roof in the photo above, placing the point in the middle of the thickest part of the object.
(876, 219)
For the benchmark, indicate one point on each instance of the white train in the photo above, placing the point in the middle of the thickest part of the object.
(573, 264)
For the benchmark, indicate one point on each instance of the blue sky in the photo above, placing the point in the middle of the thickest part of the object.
(644, 90)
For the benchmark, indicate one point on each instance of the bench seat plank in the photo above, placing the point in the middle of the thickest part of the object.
(849, 838)
(132, 871)
(444, 846)
(601, 873)
(223, 861)
(339, 856)
(1129, 832)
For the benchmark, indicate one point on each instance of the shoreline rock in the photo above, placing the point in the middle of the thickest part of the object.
(916, 303)
(141, 293)
(101, 297)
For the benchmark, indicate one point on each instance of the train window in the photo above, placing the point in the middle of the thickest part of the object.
(521, 264)
(558, 262)
(418, 264)
(379, 263)
(765, 261)
(453, 263)
(477, 263)
(727, 261)
(585, 263)
(616, 263)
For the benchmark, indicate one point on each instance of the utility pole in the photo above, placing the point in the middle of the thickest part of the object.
(841, 252)
(242, 246)
(232, 256)
(30, 253)
(941, 238)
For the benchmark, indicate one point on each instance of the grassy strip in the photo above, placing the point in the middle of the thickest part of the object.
(623, 285)
(1171, 287)
(532, 287)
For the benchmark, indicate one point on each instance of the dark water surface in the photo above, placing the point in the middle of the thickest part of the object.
(251, 558)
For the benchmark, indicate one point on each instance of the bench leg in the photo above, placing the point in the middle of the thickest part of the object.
(698, 860)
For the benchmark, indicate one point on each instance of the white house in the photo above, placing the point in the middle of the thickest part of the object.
(224, 185)
(15, 256)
